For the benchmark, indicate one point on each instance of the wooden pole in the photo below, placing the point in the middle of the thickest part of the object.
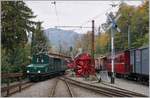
(20, 84)
(8, 85)
(92, 50)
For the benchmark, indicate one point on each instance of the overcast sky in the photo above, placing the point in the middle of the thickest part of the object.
(70, 13)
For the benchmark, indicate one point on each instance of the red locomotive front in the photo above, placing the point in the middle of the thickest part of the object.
(121, 63)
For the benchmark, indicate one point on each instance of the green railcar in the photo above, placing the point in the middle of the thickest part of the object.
(44, 66)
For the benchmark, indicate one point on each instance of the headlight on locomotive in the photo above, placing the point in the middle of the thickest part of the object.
(28, 71)
(39, 71)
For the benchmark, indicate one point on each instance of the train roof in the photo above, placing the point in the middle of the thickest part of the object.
(142, 47)
(58, 55)
(54, 55)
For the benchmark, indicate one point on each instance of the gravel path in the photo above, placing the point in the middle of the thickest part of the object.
(40, 89)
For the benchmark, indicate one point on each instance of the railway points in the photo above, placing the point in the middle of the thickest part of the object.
(61, 88)
(66, 86)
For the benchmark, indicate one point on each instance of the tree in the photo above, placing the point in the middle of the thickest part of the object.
(39, 40)
(141, 25)
(101, 43)
(16, 23)
(86, 42)
(138, 20)
(16, 61)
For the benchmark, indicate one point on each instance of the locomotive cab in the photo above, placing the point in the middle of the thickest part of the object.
(39, 66)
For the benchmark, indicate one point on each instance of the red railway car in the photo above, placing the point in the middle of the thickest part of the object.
(122, 66)
(132, 64)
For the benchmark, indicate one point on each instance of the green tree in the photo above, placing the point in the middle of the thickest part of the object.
(16, 23)
(86, 42)
(17, 61)
(40, 42)
(101, 43)
(137, 19)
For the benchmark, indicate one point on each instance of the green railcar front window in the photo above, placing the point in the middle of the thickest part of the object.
(40, 59)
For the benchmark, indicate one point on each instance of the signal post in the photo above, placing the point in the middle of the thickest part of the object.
(92, 46)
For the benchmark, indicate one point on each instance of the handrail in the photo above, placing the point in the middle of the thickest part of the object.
(8, 77)
(11, 75)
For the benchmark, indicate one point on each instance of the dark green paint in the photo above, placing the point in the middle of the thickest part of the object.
(46, 64)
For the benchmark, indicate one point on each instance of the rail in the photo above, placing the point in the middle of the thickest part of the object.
(69, 89)
(52, 93)
(53, 89)
(9, 77)
(110, 92)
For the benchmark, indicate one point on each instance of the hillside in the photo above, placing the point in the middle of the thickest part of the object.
(63, 38)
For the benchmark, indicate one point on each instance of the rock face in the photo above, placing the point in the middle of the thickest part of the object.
(63, 38)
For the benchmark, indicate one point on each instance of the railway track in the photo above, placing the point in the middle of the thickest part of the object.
(65, 85)
(69, 88)
(52, 94)
(53, 89)
(107, 91)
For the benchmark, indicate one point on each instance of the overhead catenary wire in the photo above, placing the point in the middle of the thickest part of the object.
(56, 12)
(89, 20)
(80, 26)
(105, 11)
(95, 17)
(86, 22)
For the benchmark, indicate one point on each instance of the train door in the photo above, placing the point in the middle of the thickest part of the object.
(127, 62)
(51, 65)
(138, 61)
(57, 63)
(145, 61)
(62, 64)
(132, 60)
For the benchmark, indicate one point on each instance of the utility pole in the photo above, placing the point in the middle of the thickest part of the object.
(60, 47)
(129, 38)
(112, 57)
(71, 51)
(92, 46)
(32, 43)
(99, 32)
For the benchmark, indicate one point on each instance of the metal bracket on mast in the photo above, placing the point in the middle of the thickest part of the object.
(112, 26)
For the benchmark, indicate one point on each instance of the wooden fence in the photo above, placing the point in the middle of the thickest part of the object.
(9, 77)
